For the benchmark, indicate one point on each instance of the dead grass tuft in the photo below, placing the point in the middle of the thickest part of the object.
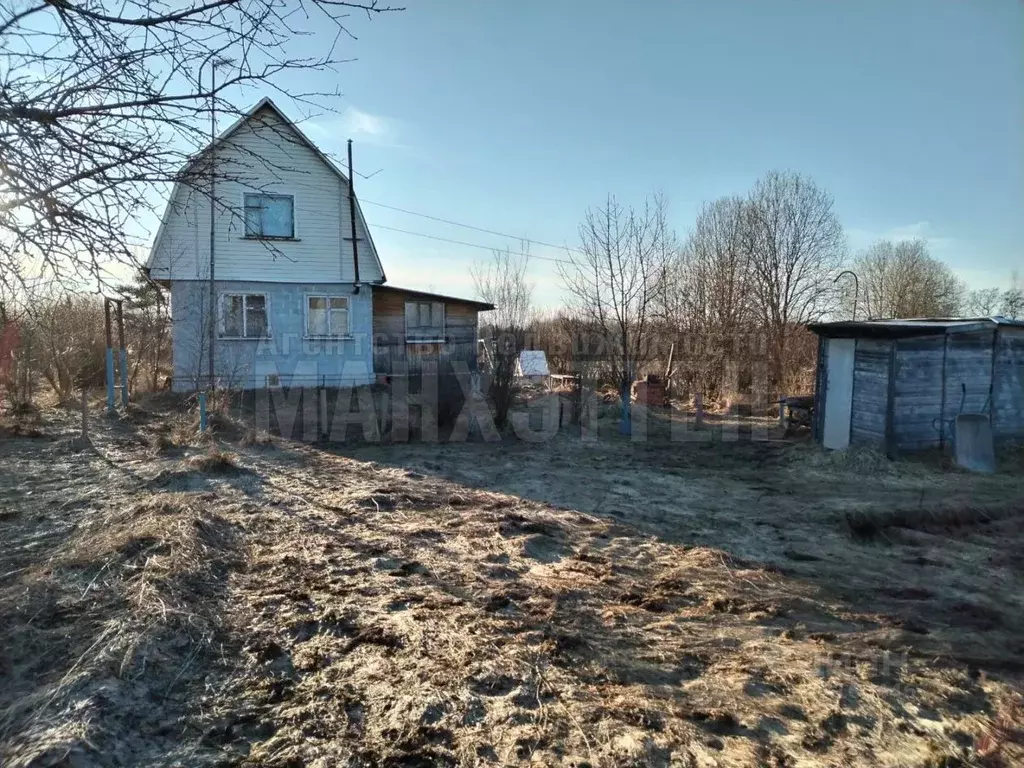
(214, 461)
(127, 611)
(867, 524)
(257, 438)
(858, 458)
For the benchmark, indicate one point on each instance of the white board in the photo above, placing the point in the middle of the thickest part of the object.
(838, 393)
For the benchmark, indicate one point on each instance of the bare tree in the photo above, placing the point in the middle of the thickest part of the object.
(903, 280)
(796, 246)
(983, 302)
(101, 102)
(1013, 299)
(148, 331)
(615, 278)
(503, 282)
(706, 294)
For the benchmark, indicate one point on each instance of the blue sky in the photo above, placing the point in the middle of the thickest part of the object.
(518, 116)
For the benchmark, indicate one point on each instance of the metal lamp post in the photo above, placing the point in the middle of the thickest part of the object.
(856, 288)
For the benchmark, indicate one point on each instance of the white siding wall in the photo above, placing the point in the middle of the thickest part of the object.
(265, 155)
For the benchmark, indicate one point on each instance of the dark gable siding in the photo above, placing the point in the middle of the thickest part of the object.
(819, 389)
(917, 392)
(1008, 385)
(391, 353)
(870, 391)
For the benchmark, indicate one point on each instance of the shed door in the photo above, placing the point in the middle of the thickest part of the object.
(839, 393)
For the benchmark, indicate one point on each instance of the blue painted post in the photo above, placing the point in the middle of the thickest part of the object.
(626, 425)
(110, 356)
(202, 411)
(124, 377)
(110, 379)
(124, 353)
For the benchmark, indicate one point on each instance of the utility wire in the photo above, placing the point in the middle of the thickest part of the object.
(461, 242)
(470, 226)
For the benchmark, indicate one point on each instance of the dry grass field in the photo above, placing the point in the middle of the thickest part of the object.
(720, 601)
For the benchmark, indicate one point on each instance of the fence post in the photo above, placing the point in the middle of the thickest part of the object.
(626, 426)
(110, 355)
(202, 411)
(782, 411)
(698, 404)
(124, 353)
(322, 427)
(85, 414)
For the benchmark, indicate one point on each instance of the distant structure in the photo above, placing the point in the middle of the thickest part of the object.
(900, 384)
(297, 295)
(533, 365)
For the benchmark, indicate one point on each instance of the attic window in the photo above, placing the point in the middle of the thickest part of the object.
(424, 321)
(270, 216)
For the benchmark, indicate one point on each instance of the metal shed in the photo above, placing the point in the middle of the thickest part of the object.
(899, 384)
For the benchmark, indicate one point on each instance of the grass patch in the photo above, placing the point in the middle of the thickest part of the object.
(214, 461)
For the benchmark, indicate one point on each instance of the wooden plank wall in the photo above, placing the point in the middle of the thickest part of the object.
(390, 351)
(870, 391)
(917, 392)
(968, 376)
(1008, 385)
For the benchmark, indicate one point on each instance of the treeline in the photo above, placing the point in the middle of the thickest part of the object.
(58, 338)
(730, 302)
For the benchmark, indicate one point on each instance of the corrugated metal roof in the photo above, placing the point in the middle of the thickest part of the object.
(912, 326)
(481, 305)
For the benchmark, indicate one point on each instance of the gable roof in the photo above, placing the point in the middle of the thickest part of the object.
(267, 103)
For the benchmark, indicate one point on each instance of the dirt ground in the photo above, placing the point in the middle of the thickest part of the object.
(717, 601)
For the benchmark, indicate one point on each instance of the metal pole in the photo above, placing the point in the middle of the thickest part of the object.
(626, 425)
(110, 354)
(856, 288)
(202, 411)
(212, 319)
(124, 353)
(352, 217)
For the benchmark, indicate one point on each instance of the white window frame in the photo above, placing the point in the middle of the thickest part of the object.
(330, 335)
(425, 339)
(295, 224)
(220, 315)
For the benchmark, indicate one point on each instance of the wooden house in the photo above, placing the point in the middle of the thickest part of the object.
(414, 330)
(899, 384)
(298, 291)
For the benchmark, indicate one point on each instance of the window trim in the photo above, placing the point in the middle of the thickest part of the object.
(220, 316)
(426, 339)
(276, 238)
(320, 295)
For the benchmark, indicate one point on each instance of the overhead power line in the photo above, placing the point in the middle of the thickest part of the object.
(462, 242)
(471, 226)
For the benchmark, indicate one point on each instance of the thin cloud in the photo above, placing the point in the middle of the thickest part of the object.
(365, 125)
(355, 124)
(860, 239)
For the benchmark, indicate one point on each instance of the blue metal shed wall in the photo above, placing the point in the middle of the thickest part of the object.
(1008, 385)
(917, 392)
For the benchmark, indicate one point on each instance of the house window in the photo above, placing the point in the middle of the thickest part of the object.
(244, 316)
(327, 316)
(424, 321)
(269, 216)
